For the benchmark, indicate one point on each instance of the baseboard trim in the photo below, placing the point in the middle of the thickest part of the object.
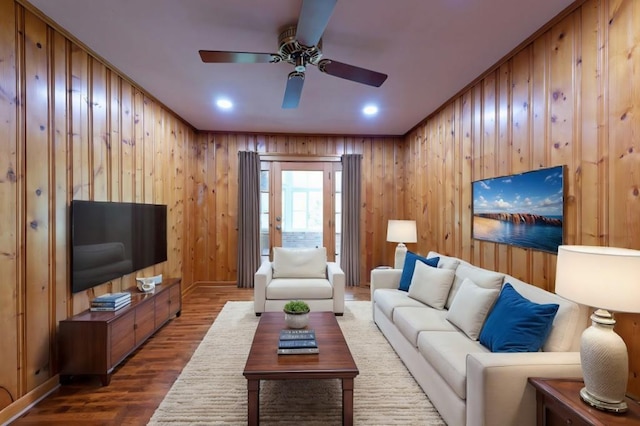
(24, 404)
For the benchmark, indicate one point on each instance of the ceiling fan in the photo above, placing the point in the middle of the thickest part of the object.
(300, 45)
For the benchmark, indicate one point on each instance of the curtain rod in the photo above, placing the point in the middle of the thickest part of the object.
(299, 158)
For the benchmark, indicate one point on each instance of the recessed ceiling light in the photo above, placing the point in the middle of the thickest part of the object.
(224, 104)
(370, 110)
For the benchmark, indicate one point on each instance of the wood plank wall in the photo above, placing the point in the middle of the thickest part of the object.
(74, 128)
(571, 97)
(213, 173)
(70, 128)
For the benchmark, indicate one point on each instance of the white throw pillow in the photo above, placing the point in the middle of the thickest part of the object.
(431, 285)
(471, 307)
(299, 263)
(482, 277)
(448, 263)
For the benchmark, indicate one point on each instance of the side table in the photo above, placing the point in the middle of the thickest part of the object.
(558, 403)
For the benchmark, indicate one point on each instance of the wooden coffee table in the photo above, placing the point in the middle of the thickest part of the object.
(333, 362)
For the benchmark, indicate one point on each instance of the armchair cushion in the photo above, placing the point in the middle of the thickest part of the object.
(293, 289)
(299, 263)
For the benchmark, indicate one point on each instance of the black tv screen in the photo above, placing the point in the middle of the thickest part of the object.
(112, 239)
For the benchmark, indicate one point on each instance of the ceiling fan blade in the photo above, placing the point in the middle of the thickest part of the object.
(351, 72)
(293, 90)
(313, 19)
(236, 57)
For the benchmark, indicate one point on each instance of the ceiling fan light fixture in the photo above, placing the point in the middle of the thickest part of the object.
(296, 74)
(300, 64)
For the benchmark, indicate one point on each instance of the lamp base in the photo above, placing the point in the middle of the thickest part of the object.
(401, 253)
(605, 364)
(612, 407)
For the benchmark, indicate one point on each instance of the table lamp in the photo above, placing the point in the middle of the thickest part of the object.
(608, 279)
(401, 231)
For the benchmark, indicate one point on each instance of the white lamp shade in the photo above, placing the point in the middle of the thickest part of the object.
(402, 231)
(600, 277)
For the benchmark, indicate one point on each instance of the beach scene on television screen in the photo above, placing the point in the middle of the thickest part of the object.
(524, 210)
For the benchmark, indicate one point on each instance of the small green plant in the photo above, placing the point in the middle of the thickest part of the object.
(296, 307)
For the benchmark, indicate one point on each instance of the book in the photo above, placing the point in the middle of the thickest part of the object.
(297, 335)
(111, 304)
(297, 344)
(298, 351)
(107, 308)
(113, 297)
(123, 300)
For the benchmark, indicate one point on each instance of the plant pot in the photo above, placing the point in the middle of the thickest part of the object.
(296, 319)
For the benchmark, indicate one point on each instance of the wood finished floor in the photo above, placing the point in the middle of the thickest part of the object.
(140, 383)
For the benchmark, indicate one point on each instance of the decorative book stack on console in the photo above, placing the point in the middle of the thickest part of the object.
(111, 301)
(294, 342)
(96, 342)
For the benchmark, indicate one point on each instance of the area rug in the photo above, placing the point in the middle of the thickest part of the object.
(211, 389)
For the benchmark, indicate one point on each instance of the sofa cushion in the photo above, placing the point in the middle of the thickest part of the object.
(447, 351)
(516, 324)
(409, 268)
(411, 320)
(471, 306)
(431, 285)
(299, 263)
(296, 288)
(569, 322)
(482, 277)
(388, 299)
(444, 262)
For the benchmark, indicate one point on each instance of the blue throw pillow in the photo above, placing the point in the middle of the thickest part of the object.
(515, 324)
(409, 266)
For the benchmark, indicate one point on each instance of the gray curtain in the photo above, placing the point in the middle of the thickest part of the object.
(350, 244)
(248, 217)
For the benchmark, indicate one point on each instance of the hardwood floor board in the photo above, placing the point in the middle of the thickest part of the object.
(139, 383)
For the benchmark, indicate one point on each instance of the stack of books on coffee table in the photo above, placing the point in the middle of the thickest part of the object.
(295, 342)
(111, 301)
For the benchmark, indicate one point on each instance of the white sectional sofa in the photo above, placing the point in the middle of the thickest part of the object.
(467, 383)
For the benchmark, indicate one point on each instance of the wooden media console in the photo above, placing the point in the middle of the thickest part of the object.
(94, 343)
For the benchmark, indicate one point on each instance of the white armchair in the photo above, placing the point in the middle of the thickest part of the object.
(299, 274)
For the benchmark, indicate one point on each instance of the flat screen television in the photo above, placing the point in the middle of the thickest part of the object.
(525, 209)
(112, 239)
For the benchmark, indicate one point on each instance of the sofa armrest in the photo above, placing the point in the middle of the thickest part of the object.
(335, 274)
(384, 278)
(498, 392)
(262, 278)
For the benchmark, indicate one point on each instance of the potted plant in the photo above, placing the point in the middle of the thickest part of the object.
(296, 314)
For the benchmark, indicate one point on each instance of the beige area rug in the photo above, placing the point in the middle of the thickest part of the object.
(211, 389)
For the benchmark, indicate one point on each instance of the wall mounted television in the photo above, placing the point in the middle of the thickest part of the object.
(112, 239)
(525, 209)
